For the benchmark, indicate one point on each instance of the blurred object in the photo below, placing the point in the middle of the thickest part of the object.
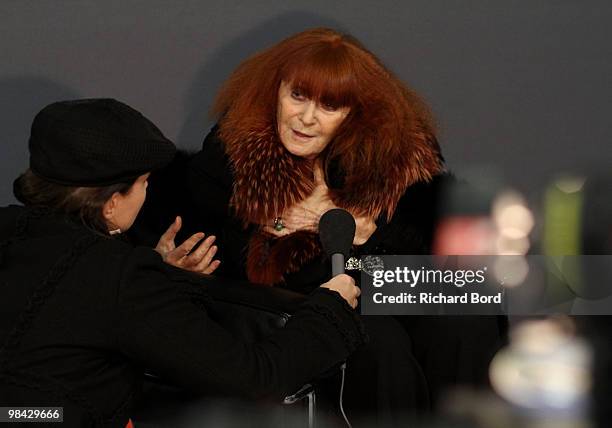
(543, 379)
(514, 221)
(545, 368)
(597, 214)
(511, 215)
(483, 219)
(465, 236)
(578, 216)
(563, 203)
(577, 221)
(469, 408)
(465, 226)
(510, 271)
(596, 238)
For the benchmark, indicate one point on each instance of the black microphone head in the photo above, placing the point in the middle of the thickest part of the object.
(336, 231)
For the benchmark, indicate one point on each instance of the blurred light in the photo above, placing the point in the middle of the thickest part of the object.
(543, 368)
(465, 236)
(508, 246)
(570, 184)
(511, 215)
(537, 337)
(510, 271)
(514, 221)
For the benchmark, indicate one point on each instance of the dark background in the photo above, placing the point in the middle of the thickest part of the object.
(521, 89)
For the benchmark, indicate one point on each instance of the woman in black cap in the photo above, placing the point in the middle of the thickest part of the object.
(82, 312)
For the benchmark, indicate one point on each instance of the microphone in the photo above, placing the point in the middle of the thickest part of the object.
(336, 232)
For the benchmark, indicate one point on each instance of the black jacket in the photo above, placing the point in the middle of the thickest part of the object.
(81, 314)
(440, 351)
(199, 187)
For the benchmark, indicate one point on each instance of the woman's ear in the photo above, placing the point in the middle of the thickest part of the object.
(109, 207)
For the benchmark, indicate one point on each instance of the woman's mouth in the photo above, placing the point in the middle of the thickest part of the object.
(301, 135)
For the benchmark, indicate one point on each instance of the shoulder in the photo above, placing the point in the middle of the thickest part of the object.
(411, 229)
(10, 211)
(211, 161)
(8, 220)
(423, 201)
(104, 261)
(123, 264)
(427, 194)
(122, 255)
(209, 183)
(112, 247)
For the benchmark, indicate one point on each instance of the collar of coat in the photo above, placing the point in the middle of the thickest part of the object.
(268, 179)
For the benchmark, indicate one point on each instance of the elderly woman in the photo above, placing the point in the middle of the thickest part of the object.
(317, 122)
(82, 312)
(314, 122)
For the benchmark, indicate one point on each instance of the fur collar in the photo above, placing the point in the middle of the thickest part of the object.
(268, 179)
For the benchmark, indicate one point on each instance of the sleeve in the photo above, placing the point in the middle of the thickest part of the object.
(209, 181)
(163, 326)
(209, 185)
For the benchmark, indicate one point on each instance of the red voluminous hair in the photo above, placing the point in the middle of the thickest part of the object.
(386, 143)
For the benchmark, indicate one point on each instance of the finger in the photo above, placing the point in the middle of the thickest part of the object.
(178, 223)
(173, 229)
(346, 278)
(353, 303)
(209, 255)
(196, 257)
(212, 267)
(206, 260)
(167, 239)
(184, 249)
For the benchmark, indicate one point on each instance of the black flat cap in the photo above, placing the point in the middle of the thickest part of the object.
(95, 142)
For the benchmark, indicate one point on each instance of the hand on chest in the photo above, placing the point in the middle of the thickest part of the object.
(305, 214)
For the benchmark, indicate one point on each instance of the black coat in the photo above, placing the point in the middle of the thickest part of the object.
(410, 360)
(199, 187)
(81, 314)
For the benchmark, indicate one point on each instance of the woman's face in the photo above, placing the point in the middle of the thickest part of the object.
(305, 127)
(121, 210)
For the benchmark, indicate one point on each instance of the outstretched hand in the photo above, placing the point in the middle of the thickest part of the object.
(199, 260)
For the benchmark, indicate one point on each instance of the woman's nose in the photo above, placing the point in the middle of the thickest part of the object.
(308, 113)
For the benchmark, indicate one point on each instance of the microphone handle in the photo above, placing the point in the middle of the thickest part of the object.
(337, 262)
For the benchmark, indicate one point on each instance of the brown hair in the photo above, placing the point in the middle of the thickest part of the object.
(83, 202)
(387, 120)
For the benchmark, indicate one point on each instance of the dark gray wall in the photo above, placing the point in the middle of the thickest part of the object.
(521, 86)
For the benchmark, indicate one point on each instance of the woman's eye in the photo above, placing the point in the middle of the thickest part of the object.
(297, 95)
(329, 107)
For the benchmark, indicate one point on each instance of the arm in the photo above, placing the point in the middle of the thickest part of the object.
(209, 186)
(163, 325)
